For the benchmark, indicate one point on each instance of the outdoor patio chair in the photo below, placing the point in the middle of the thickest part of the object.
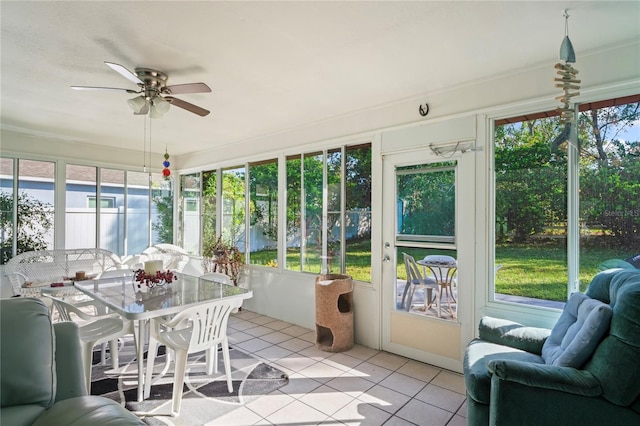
(417, 281)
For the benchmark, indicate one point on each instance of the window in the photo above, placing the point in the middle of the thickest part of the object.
(190, 213)
(312, 220)
(357, 221)
(28, 214)
(135, 209)
(120, 222)
(427, 197)
(191, 205)
(294, 212)
(80, 223)
(209, 212)
(233, 207)
(332, 250)
(105, 202)
(609, 186)
(532, 188)
(426, 213)
(112, 212)
(263, 207)
(6, 209)
(530, 212)
(329, 212)
(161, 209)
(138, 214)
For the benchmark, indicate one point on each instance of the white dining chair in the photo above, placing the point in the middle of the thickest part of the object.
(205, 326)
(416, 281)
(212, 352)
(101, 309)
(93, 330)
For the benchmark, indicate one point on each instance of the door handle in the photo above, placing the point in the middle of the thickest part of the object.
(386, 259)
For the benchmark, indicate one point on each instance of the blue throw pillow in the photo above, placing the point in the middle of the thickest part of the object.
(581, 326)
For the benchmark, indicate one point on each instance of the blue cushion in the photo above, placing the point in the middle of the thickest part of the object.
(582, 324)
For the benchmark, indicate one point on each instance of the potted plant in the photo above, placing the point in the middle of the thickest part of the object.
(222, 256)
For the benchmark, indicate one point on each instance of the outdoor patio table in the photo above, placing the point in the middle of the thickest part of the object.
(444, 270)
(121, 295)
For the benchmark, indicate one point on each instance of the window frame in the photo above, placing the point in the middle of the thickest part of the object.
(60, 194)
(282, 204)
(501, 117)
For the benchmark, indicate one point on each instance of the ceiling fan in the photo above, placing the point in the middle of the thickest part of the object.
(155, 96)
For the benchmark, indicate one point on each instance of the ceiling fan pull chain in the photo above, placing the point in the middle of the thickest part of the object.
(144, 146)
(149, 154)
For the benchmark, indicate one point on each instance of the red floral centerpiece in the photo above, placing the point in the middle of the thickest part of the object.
(150, 280)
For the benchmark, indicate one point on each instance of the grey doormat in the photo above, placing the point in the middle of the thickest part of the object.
(204, 399)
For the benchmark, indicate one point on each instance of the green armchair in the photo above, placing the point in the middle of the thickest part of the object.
(41, 372)
(510, 381)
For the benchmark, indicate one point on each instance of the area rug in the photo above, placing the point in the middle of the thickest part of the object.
(205, 397)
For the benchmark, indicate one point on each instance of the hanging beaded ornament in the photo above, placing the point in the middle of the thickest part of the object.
(166, 172)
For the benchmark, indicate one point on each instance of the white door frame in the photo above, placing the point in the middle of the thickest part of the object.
(432, 340)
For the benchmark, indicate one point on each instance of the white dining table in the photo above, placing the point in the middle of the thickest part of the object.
(121, 295)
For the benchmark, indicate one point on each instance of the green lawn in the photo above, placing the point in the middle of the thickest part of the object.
(538, 271)
(358, 260)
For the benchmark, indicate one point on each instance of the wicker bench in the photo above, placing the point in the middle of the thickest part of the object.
(47, 266)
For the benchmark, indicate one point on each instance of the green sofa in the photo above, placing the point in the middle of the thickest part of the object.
(41, 375)
(510, 382)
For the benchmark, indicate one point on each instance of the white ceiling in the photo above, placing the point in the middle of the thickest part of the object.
(272, 65)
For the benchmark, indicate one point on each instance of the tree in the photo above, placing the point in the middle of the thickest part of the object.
(428, 201)
(610, 195)
(164, 225)
(601, 129)
(263, 186)
(233, 209)
(34, 223)
(531, 180)
(209, 191)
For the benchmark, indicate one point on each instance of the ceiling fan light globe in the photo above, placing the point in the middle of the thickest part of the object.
(137, 103)
(161, 104)
(155, 112)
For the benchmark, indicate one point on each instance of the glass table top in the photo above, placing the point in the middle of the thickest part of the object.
(123, 295)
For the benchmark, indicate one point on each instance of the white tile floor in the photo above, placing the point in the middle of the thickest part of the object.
(358, 387)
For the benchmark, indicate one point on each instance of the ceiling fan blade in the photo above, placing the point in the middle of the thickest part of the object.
(186, 105)
(103, 88)
(178, 89)
(124, 72)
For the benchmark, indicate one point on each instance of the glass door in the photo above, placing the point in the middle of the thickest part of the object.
(425, 299)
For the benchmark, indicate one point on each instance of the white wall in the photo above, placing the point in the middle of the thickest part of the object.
(44, 148)
(527, 86)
